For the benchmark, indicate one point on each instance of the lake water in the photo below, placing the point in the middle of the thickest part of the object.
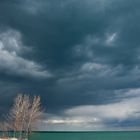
(86, 136)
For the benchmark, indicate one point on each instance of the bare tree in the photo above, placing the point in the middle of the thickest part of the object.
(25, 113)
(16, 113)
(34, 114)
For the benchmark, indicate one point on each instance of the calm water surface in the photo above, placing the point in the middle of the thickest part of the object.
(85, 136)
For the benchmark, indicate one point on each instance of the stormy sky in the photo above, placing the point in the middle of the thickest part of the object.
(81, 56)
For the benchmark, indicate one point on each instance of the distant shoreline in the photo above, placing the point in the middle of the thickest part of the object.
(80, 131)
(85, 131)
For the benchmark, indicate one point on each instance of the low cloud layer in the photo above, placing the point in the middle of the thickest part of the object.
(94, 117)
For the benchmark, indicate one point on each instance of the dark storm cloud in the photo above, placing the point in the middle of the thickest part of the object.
(85, 51)
(57, 26)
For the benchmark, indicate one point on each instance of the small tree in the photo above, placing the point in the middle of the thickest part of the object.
(34, 114)
(16, 114)
(25, 113)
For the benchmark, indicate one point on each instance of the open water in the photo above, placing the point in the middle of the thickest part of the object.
(131, 135)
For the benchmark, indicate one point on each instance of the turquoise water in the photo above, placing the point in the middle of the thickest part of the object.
(85, 136)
